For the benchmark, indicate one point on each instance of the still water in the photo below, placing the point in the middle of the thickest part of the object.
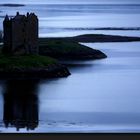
(69, 20)
(99, 96)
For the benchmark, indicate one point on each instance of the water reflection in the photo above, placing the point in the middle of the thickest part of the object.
(21, 104)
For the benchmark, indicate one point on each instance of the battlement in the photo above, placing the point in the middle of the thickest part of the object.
(21, 34)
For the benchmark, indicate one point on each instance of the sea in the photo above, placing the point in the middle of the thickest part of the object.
(100, 96)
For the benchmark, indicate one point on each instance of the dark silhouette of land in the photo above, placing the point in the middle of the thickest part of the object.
(87, 38)
(23, 54)
(106, 28)
(12, 5)
(69, 47)
(21, 104)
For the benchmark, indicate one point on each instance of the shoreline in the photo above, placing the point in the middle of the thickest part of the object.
(53, 71)
(31, 66)
(88, 38)
(99, 28)
(67, 48)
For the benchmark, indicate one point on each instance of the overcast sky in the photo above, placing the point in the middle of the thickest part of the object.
(73, 1)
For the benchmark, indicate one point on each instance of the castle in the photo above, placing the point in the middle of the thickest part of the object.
(20, 34)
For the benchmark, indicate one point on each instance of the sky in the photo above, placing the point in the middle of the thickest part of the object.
(72, 1)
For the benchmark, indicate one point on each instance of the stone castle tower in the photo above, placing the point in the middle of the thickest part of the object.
(21, 34)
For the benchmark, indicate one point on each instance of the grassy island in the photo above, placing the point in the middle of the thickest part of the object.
(44, 64)
(64, 49)
(34, 66)
(25, 61)
(69, 47)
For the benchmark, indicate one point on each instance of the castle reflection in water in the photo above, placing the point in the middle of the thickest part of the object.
(21, 104)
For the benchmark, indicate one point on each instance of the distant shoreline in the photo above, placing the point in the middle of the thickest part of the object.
(88, 38)
(102, 28)
(12, 5)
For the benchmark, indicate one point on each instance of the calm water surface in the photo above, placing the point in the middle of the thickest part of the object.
(99, 96)
(69, 20)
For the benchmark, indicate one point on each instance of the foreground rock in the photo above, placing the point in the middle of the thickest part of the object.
(53, 71)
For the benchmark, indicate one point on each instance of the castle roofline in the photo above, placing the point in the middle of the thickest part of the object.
(31, 15)
(20, 17)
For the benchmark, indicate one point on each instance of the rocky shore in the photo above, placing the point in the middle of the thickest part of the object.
(52, 71)
(31, 66)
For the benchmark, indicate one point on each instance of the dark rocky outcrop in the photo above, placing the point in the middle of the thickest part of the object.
(53, 71)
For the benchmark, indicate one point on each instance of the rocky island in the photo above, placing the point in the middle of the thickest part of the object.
(23, 55)
(31, 66)
(19, 56)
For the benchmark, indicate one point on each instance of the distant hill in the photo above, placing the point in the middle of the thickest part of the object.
(12, 5)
